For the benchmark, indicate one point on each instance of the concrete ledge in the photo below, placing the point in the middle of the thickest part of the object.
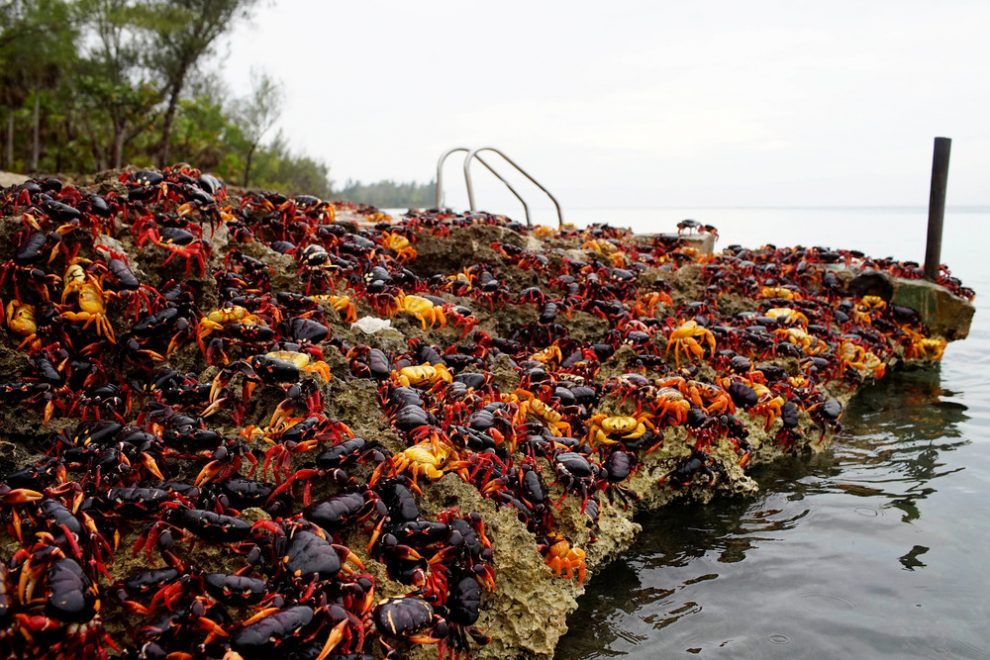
(11, 179)
(943, 312)
(703, 243)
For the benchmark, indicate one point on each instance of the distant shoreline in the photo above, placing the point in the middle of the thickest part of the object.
(961, 208)
(13, 178)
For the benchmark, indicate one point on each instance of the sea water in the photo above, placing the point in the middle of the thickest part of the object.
(878, 547)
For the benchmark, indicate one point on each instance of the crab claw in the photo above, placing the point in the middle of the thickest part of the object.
(306, 446)
(349, 557)
(214, 629)
(173, 344)
(21, 496)
(491, 488)
(148, 354)
(335, 638)
(29, 219)
(214, 407)
(149, 462)
(209, 471)
(438, 558)
(136, 608)
(267, 612)
(375, 534)
(216, 386)
(282, 412)
(459, 468)
(249, 389)
(487, 578)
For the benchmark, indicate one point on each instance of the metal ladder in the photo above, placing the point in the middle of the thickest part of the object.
(473, 155)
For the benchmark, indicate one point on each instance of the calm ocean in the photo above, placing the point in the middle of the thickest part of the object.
(875, 548)
(878, 547)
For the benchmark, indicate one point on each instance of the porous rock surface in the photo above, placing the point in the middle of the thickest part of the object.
(527, 613)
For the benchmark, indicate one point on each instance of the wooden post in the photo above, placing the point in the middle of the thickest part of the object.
(936, 207)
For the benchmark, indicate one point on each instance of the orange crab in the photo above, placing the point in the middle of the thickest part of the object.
(607, 250)
(687, 338)
(221, 317)
(867, 308)
(91, 300)
(564, 559)
(928, 348)
(530, 405)
(341, 304)
(600, 246)
(669, 403)
(610, 429)
(920, 347)
(422, 308)
(809, 344)
(21, 321)
(550, 356)
(646, 305)
(428, 458)
(713, 399)
(399, 244)
(462, 282)
(302, 362)
(788, 316)
(425, 374)
(861, 360)
(778, 292)
(769, 404)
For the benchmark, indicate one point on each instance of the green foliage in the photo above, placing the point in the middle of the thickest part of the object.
(389, 194)
(37, 46)
(256, 115)
(182, 33)
(110, 82)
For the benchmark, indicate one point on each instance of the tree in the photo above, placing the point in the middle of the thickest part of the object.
(205, 135)
(13, 87)
(104, 83)
(112, 76)
(184, 32)
(388, 194)
(37, 46)
(256, 115)
(278, 168)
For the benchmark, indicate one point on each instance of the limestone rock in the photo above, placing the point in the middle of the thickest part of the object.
(943, 313)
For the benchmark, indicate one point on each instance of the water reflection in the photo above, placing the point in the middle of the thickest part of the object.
(895, 434)
(815, 564)
(911, 561)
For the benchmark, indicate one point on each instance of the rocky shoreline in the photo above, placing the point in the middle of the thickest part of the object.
(556, 383)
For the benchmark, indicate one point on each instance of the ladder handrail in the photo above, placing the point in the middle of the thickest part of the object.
(508, 185)
(443, 157)
(473, 154)
(439, 187)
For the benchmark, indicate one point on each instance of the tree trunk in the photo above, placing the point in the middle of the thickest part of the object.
(36, 141)
(10, 138)
(173, 107)
(117, 148)
(247, 166)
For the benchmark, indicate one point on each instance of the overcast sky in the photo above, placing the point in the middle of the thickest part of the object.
(640, 104)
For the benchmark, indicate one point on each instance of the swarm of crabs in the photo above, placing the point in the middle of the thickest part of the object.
(176, 353)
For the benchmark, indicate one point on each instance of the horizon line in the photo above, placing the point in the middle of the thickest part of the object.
(674, 207)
